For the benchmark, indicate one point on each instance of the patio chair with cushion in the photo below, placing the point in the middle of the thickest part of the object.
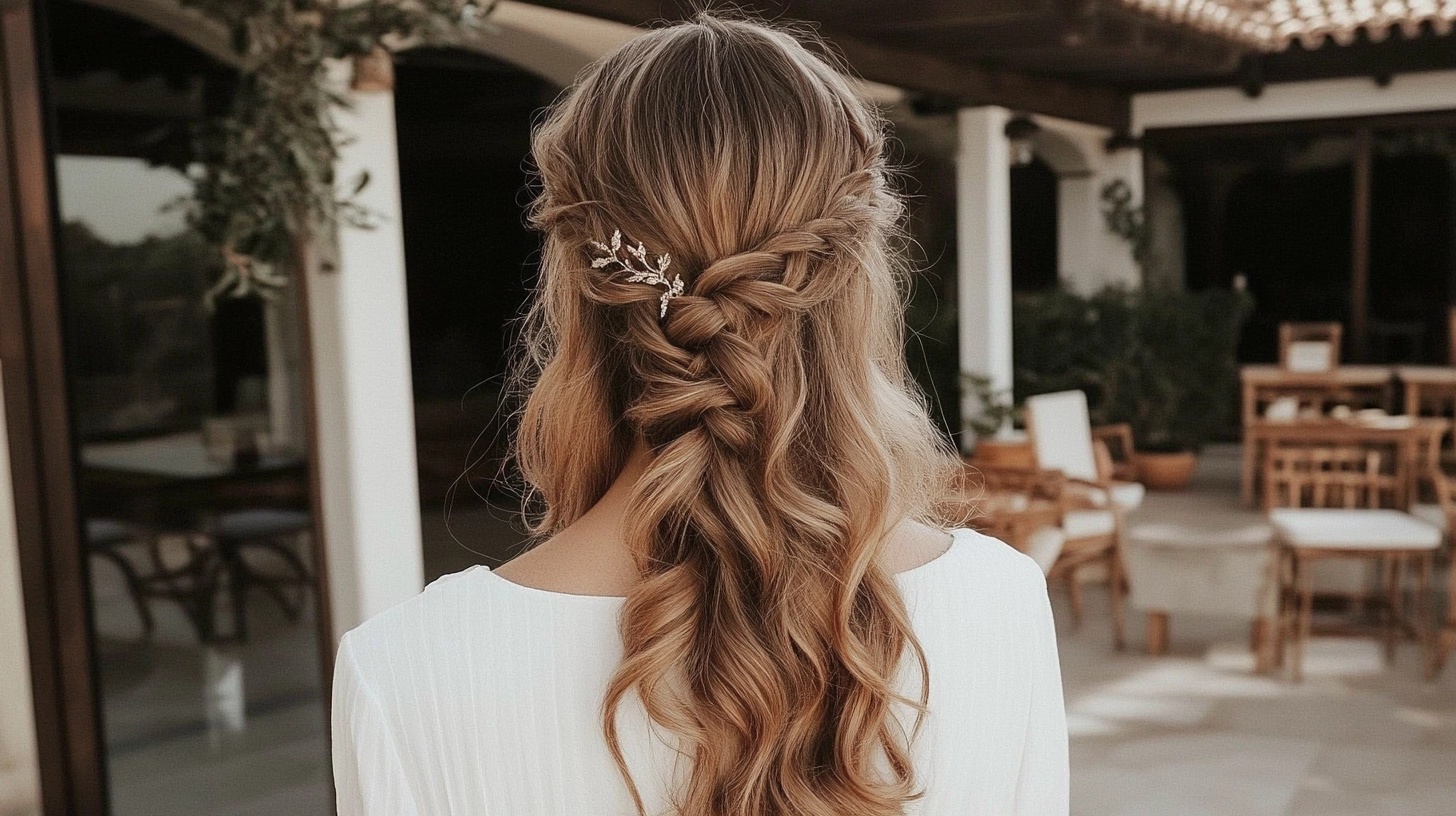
(1333, 503)
(1021, 506)
(265, 547)
(1196, 567)
(1309, 346)
(1094, 503)
(1062, 438)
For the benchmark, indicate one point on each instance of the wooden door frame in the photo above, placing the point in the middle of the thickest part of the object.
(54, 579)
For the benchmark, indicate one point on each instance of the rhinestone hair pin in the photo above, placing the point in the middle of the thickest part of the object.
(643, 271)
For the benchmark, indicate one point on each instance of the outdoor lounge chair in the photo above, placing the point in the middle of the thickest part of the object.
(1062, 440)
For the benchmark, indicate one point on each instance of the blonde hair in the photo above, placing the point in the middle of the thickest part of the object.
(787, 439)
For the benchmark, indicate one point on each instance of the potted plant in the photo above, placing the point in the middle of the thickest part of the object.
(1177, 382)
(1160, 360)
(992, 422)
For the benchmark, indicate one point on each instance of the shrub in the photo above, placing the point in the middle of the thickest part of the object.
(1161, 360)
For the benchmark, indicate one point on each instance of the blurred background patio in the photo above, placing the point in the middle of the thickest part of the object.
(1184, 290)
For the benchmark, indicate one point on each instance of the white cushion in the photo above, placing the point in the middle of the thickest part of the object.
(1061, 433)
(1087, 523)
(1182, 537)
(1128, 495)
(1430, 513)
(1235, 581)
(262, 522)
(1045, 545)
(1309, 355)
(1354, 529)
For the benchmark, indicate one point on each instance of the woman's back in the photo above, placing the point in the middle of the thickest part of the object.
(483, 697)
(715, 385)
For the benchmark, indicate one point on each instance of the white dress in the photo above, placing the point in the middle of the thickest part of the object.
(482, 697)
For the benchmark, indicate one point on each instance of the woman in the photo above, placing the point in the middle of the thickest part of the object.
(740, 605)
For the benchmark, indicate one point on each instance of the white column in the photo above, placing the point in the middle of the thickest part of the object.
(983, 247)
(1080, 229)
(362, 370)
(19, 780)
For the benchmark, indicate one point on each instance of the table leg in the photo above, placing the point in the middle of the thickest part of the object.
(1407, 453)
(1289, 608)
(1304, 577)
(1157, 633)
(1422, 611)
(1262, 642)
(1249, 462)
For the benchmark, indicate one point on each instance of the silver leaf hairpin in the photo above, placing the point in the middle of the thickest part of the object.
(643, 271)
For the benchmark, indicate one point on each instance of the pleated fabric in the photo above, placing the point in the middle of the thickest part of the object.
(482, 697)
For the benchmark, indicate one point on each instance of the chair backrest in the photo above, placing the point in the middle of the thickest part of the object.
(1030, 482)
(1428, 452)
(1351, 477)
(1309, 346)
(1061, 434)
(1444, 486)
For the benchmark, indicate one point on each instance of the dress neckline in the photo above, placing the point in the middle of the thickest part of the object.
(904, 575)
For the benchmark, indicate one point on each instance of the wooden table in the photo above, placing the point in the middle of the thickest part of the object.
(1429, 390)
(1407, 441)
(168, 484)
(1263, 382)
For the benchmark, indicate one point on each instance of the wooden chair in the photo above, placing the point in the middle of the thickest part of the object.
(1309, 346)
(107, 538)
(1094, 503)
(1116, 439)
(1443, 485)
(266, 548)
(1328, 503)
(1021, 506)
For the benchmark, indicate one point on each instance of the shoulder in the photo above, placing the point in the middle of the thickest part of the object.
(988, 582)
(409, 629)
(993, 562)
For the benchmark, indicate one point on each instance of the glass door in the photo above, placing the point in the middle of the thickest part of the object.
(190, 448)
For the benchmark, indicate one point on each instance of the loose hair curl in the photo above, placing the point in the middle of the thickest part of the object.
(787, 439)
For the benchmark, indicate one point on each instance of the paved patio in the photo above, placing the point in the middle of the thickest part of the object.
(1197, 733)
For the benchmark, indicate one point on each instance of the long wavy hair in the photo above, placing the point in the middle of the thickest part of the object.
(786, 439)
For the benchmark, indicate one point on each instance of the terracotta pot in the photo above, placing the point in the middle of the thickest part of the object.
(1165, 471)
(1007, 453)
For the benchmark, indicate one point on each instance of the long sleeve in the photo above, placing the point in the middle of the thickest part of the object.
(369, 774)
(1042, 788)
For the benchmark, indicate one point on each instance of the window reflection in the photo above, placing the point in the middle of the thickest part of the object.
(187, 421)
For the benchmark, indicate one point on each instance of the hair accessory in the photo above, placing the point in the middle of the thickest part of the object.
(649, 272)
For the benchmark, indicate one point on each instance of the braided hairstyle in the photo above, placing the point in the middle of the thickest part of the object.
(786, 438)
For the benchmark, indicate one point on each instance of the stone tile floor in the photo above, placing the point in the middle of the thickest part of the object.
(1196, 732)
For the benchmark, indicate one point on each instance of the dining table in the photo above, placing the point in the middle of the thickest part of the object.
(170, 486)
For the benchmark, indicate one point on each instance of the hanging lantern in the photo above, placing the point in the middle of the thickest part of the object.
(1020, 131)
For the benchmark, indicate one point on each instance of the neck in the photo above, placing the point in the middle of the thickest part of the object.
(609, 512)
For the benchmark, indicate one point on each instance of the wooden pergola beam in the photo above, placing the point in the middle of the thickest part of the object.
(966, 83)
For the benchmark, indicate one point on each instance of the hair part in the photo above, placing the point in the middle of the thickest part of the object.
(787, 437)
